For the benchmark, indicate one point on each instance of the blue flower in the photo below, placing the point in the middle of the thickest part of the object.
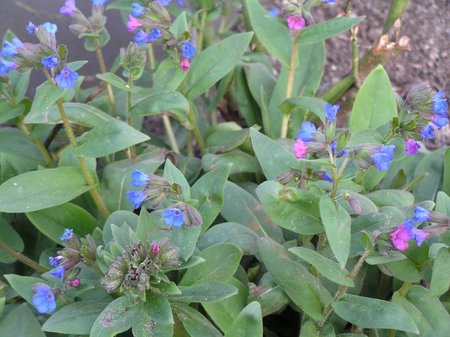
(180, 2)
(306, 132)
(6, 66)
(66, 235)
(137, 10)
(173, 217)
(164, 2)
(31, 28)
(10, 47)
(58, 272)
(188, 50)
(439, 121)
(154, 35)
(383, 157)
(43, 299)
(333, 146)
(329, 1)
(50, 61)
(69, 8)
(421, 214)
(50, 27)
(139, 178)
(440, 105)
(98, 3)
(274, 11)
(326, 177)
(331, 111)
(136, 198)
(54, 260)
(428, 132)
(66, 78)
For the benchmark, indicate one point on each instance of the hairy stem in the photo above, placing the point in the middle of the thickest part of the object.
(131, 150)
(170, 134)
(151, 57)
(342, 290)
(101, 61)
(201, 33)
(22, 258)
(40, 145)
(83, 165)
(290, 86)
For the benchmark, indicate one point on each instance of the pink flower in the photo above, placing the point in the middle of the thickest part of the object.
(295, 22)
(133, 23)
(400, 238)
(185, 64)
(155, 248)
(411, 147)
(300, 148)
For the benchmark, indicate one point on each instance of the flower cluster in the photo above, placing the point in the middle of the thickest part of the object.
(188, 51)
(140, 265)
(383, 156)
(440, 116)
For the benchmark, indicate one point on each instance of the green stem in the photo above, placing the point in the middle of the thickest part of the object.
(170, 134)
(290, 86)
(131, 150)
(22, 258)
(355, 53)
(151, 57)
(103, 69)
(189, 144)
(83, 165)
(342, 290)
(37, 141)
(201, 32)
(396, 11)
(195, 130)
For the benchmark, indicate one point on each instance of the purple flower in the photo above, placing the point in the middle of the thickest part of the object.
(164, 2)
(400, 237)
(274, 11)
(419, 235)
(50, 27)
(331, 111)
(66, 78)
(6, 66)
(300, 149)
(180, 3)
(50, 61)
(295, 22)
(411, 147)
(136, 198)
(326, 177)
(142, 37)
(173, 217)
(440, 121)
(133, 24)
(54, 260)
(329, 1)
(31, 28)
(43, 299)
(428, 132)
(383, 157)
(137, 10)
(10, 47)
(306, 132)
(440, 105)
(139, 178)
(58, 272)
(69, 8)
(188, 50)
(154, 35)
(421, 214)
(67, 234)
(98, 3)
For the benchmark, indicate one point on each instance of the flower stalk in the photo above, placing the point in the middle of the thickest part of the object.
(22, 258)
(290, 86)
(103, 69)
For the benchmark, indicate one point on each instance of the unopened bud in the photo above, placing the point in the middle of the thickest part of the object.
(75, 283)
(155, 248)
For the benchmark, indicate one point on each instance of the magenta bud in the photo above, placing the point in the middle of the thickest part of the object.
(155, 248)
(75, 283)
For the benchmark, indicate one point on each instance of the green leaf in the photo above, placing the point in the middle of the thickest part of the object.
(313, 104)
(77, 113)
(211, 65)
(209, 191)
(179, 26)
(233, 233)
(391, 198)
(237, 160)
(194, 322)
(33, 191)
(374, 314)
(21, 322)
(242, 207)
(221, 262)
(9, 236)
(75, 318)
(113, 136)
(54, 220)
(291, 208)
(46, 95)
(23, 285)
(20, 82)
(324, 30)
(115, 81)
(156, 318)
(446, 182)
(337, 223)
(271, 32)
(248, 324)
(309, 329)
(205, 292)
(225, 137)
(375, 102)
(8, 112)
(327, 268)
(118, 316)
(174, 176)
(16, 144)
(432, 167)
(274, 158)
(260, 80)
(168, 76)
(301, 287)
(440, 278)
